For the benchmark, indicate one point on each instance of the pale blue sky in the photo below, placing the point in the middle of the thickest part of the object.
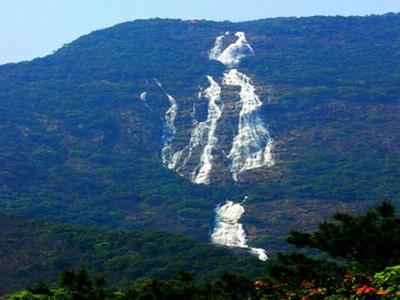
(32, 28)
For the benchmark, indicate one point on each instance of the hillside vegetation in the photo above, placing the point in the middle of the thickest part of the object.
(355, 266)
(77, 145)
(32, 252)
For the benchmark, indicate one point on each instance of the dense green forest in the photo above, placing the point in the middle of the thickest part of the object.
(360, 260)
(31, 252)
(78, 147)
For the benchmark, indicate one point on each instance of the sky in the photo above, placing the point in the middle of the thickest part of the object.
(35, 28)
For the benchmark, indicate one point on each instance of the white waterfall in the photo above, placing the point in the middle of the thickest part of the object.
(216, 51)
(202, 135)
(143, 96)
(229, 232)
(169, 130)
(252, 145)
(213, 95)
(232, 54)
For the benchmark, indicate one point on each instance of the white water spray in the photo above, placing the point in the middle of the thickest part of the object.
(202, 136)
(213, 95)
(234, 53)
(229, 232)
(143, 96)
(252, 146)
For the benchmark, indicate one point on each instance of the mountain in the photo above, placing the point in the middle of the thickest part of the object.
(153, 123)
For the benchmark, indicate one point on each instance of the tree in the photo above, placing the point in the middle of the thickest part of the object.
(371, 240)
(233, 286)
(80, 286)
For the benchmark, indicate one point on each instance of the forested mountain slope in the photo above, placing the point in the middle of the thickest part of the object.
(33, 252)
(91, 133)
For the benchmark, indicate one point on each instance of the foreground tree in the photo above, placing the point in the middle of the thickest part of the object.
(370, 240)
(79, 285)
(353, 248)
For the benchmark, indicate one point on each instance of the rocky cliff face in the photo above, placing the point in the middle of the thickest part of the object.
(233, 138)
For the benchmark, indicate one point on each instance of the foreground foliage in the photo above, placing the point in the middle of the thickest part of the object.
(372, 240)
(229, 286)
(349, 274)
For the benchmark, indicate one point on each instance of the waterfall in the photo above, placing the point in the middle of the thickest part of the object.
(143, 96)
(251, 147)
(203, 136)
(234, 53)
(229, 232)
(213, 95)
(169, 130)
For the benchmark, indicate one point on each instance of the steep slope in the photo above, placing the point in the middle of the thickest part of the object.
(286, 109)
(251, 141)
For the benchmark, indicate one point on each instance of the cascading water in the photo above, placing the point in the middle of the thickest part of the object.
(202, 135)
(251, 147)
(169, 130)
(213, 94)
(233, 54)
(229, 232)
(143, 96)
(216, 51)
